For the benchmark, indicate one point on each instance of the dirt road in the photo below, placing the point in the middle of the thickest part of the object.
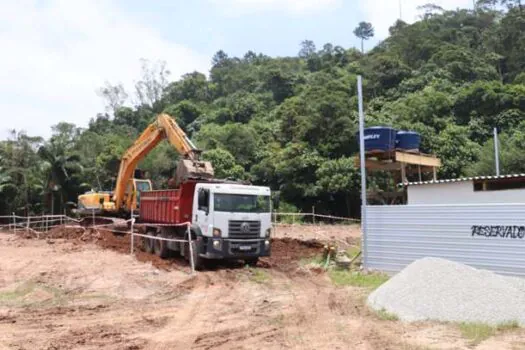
(68, 294)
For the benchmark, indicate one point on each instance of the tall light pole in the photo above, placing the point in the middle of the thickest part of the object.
(496, 150)
(363, 169)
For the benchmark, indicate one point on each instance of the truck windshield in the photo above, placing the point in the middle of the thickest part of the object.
(243, 203)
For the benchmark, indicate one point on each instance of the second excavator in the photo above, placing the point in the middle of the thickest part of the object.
(126, 195)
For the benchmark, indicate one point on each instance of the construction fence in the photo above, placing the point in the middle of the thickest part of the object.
(485, 236)
(39, 224)
(35, 224)
(311, 218)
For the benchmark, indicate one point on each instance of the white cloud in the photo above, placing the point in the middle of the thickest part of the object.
(383, 13)
(55, 56)
(237, 7)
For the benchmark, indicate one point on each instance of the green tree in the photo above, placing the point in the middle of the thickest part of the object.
(281, 84)
(220, 59)
(295, 168)
(115, 96)
(21, 173)
(184, 112)
(486, 4)
(430, 10)
(193, 86)
(339, 177)
(7, 190)
(512, 158)
(154, 80)
(364, 31)
(224, 164)
(456, 151)
(64, 178)
(512, 4)
(240, 140)
(307, 49)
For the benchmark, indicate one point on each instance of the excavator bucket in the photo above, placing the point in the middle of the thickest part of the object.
(190, 169)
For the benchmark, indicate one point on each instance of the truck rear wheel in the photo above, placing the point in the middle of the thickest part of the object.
(148, 242)
(161, 247)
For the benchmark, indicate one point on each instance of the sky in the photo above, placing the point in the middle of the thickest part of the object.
(56, 54)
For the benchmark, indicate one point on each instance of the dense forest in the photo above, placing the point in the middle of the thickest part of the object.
(291, 122)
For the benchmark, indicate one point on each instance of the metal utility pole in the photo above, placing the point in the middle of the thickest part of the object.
(496, 150)
(363, 169)
(401, 9)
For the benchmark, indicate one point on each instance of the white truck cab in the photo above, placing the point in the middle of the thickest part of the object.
(234, 220)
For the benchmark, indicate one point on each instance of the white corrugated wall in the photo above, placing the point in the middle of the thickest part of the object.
(487, 236)
(461, 192)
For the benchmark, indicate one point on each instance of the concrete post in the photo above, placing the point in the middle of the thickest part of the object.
(132, 233)
(192, 263)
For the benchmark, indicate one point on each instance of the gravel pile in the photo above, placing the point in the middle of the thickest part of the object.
(442, 290)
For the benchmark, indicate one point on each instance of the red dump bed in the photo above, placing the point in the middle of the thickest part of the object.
(167, 206)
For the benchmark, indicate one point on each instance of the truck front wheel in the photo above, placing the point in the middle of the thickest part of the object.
(197, 260)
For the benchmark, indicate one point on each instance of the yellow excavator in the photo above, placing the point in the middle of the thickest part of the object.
(126, 196)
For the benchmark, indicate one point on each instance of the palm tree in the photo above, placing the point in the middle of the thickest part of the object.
(8, 191)
(61, 170)
(5, 179)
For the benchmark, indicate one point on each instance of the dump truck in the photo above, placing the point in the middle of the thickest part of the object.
(228, 220)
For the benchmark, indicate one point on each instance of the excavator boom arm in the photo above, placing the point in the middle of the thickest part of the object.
(164, 127)
(177, 137)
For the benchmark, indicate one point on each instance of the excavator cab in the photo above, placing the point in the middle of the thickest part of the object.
(133, 189)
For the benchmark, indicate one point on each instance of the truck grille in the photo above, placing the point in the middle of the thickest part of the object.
(244, 229)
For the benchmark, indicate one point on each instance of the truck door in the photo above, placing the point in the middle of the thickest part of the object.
(202, 214)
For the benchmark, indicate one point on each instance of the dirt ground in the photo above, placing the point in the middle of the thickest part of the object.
(345, 234)
(84, 291)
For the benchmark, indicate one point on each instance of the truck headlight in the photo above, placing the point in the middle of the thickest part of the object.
(216, 244)
(217, 232)
(268, 232)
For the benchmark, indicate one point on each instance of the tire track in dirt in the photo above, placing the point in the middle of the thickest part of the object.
(220, 306)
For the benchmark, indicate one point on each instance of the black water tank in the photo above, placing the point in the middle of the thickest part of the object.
(408, 140)
(380, 138)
